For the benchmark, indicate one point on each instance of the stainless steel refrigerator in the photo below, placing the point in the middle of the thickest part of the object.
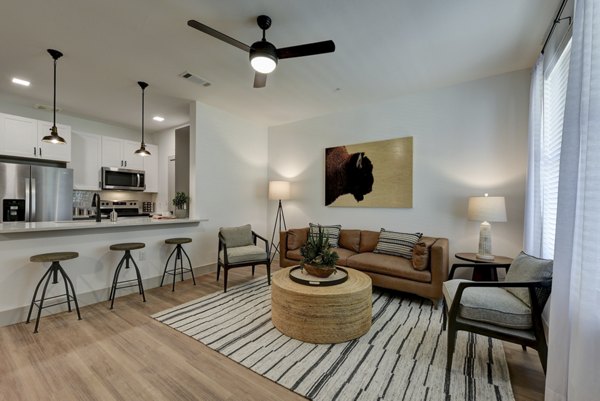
(35, 193)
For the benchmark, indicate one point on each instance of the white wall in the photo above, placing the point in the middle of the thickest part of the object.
(166, 147)
(228, 173)
(468, 139)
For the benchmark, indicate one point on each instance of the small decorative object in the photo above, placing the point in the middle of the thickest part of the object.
(180, 201)
(317, 257)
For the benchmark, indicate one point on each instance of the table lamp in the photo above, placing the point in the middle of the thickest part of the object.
(486, 209)
(278, 190)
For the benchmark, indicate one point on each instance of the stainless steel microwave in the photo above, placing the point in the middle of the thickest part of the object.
(123, 179)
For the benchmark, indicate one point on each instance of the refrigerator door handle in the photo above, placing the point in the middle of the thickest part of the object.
(27, 198)
(33, 216)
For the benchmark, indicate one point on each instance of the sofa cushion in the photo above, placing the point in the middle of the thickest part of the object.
(350, 239)
(389, 265)
(249, 253)
(332, 232)
(528, 268)
(296, 237)
(492, 305)
(237, 236)
(344, 254)
(396, 243)
(368, 240)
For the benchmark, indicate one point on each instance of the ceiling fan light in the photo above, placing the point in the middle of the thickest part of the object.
(263, 57)
(263, 64)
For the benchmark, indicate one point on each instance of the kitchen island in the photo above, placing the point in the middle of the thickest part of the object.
(25, 227)
(93, 270)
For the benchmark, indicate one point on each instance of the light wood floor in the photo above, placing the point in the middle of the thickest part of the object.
(124, 354)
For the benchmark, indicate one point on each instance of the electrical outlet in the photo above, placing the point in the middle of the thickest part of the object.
(142, 256)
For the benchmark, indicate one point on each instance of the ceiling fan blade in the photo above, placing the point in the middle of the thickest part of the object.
(228, 39)
(308, 49)
(260, 80)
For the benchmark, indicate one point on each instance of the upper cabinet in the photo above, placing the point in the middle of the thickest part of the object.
(86, 161)
(22, 137)
(121, 153)
(151, 168)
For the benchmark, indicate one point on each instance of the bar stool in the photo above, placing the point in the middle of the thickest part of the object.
(53, 271)
(127, 247)
(178, 251)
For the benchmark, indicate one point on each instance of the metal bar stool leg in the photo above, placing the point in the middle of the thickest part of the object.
(40, 306)
(175, 269)
(113, 292)
(64, 274)
(68, 279)
(139, 278)
(36, 291)
(190, 262)
(166, 265)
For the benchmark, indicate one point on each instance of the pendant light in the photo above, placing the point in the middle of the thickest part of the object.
(54, 137)
(142, 150)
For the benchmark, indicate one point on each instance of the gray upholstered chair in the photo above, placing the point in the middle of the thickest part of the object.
(510, 310)
(237, 248)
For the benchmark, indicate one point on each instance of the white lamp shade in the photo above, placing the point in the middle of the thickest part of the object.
(279, 190)
(487, 208)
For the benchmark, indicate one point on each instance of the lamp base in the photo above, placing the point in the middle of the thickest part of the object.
(485, 257)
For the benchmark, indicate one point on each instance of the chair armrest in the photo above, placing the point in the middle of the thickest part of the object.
(475, 265)
(255, 235)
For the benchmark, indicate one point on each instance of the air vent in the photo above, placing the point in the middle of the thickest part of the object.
(194, 78)
(46, 107)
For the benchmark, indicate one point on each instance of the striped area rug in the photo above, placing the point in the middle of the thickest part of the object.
(402, 357)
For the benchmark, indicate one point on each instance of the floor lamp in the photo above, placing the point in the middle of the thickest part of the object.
(278, 190)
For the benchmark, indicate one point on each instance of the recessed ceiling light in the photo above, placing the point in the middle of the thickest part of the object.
(158, 118)
(20, 81)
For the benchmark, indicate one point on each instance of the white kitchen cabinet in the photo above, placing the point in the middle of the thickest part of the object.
(53, 151)
(22, 137)
(86, 161)
(18, 136)
(120, 153)
(151, 168)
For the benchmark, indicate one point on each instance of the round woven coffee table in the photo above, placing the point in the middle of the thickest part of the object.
(322, 315)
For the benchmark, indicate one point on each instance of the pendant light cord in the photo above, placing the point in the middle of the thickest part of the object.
(143, 92)
(54, 106)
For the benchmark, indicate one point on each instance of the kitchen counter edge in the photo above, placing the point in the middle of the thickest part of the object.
(22, 227)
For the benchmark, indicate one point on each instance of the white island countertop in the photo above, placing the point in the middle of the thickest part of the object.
(23, 227)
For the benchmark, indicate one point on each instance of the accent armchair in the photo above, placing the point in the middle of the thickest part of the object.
(238, 248)
(510, 310)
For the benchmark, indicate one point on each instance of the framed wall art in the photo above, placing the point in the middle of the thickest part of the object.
(371, 174)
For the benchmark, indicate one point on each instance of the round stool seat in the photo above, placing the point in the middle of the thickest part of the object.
(127, 246)
(178, 240)
(54, 256)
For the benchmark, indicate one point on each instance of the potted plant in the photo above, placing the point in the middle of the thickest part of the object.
(180, 201)
(317, 257)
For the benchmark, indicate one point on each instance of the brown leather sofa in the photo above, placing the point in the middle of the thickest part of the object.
(355, 248)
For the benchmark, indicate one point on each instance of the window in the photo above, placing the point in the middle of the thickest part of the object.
(555, 92)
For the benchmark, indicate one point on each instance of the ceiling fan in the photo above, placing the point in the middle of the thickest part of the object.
(264, 55)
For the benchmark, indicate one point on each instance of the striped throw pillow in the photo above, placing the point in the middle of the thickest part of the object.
(332, 232)
(397, 244)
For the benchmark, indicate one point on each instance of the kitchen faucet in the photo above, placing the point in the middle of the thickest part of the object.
(96, 202)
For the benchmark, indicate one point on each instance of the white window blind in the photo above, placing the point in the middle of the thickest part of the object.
(555, 92)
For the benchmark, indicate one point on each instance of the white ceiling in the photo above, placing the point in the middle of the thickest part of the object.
(384, 48)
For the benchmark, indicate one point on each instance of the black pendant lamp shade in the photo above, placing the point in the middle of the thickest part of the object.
(142, 150)
(54, 137)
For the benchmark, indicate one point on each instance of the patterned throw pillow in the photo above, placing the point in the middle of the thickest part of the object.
(332, 232)
(397, 244)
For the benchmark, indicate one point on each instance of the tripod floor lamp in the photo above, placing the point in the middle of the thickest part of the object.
(278, 190)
